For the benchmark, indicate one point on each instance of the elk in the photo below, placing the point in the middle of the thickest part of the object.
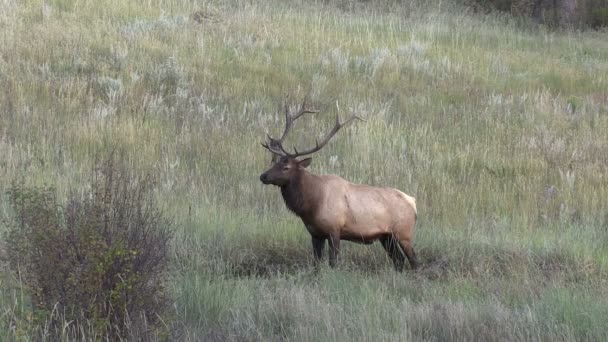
(335, 209)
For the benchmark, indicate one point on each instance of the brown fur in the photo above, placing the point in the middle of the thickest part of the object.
(334, 209)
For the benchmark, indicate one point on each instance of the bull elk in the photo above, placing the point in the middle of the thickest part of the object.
(334, 209)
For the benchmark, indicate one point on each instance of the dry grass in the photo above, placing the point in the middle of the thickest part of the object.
(497, 128)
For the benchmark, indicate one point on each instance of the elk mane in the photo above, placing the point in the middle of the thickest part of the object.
(293, 195)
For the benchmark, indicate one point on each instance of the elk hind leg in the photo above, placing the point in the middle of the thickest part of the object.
(408, 249)
(392, 248)
(334, 250)
(317, 249)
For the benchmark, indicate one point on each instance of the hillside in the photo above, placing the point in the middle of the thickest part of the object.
(499, 128)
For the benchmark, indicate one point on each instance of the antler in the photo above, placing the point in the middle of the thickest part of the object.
(289, 119)
(276, 145)
(326, 139)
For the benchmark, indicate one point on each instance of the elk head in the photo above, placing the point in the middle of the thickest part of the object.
(286, 165)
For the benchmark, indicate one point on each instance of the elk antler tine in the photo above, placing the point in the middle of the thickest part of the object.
(306, 99)
(276, 145)
(352, 118)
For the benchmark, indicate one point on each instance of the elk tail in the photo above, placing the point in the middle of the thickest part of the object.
(412, 201)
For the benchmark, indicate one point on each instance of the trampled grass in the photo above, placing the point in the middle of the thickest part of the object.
(498, 128)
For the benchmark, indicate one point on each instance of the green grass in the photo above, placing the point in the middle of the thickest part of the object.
(476, 116)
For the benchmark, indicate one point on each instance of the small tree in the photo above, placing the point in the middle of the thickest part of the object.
(101, 261)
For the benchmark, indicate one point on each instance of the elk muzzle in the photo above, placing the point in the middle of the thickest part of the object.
(264, 178)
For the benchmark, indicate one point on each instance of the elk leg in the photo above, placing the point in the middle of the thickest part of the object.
(406, 245)
(317, 248)
(334, 250)
(393, 250)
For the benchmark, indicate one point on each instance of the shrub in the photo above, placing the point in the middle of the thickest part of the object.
(100, 261)
(597, 13)
(585, 13)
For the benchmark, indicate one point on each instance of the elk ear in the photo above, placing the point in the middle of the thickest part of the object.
(304, 163)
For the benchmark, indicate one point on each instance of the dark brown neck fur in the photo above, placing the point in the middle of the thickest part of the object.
(294, 195)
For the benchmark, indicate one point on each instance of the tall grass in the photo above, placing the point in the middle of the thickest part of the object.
(499, 129)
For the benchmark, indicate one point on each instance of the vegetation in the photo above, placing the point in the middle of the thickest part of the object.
(99, 265)
(497, 126)
(556, 13)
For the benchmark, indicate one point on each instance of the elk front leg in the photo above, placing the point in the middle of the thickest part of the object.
(334, 250)
(317, 249)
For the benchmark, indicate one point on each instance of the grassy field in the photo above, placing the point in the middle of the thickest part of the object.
(498, 128)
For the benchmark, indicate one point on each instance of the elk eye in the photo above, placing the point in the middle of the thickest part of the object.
(285, 168)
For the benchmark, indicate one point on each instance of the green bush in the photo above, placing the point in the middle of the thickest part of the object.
(100, 261)
(598, 14)
(585, 13)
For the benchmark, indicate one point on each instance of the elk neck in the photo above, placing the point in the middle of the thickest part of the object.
(299, 193)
